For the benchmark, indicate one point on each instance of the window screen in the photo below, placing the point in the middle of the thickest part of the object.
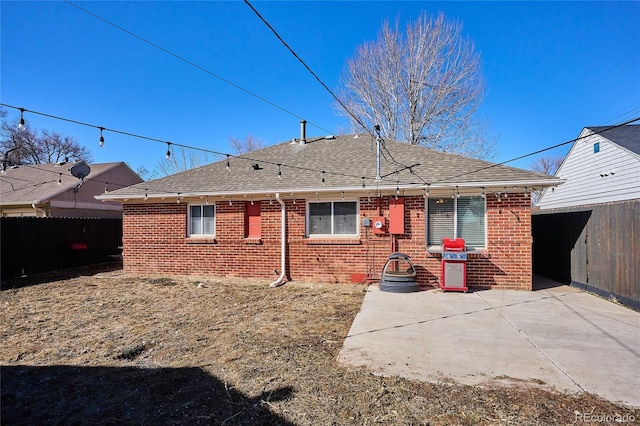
(333, 218)
(471, 219)
(462, 217)
(202, 220)
(440, 222)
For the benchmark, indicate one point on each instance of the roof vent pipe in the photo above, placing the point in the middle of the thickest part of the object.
(303, 132)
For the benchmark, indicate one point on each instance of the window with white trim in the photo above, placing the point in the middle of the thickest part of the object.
(202, 220)
(332, 218)
(460, 217)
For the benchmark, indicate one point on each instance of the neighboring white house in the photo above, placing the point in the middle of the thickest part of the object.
(602, 166)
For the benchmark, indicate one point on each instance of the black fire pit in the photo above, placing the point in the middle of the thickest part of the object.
(399, 275)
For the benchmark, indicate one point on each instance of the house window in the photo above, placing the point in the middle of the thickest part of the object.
(596, 147)
(333, 218)
(252, 223)
(202, 220)
(463, 217)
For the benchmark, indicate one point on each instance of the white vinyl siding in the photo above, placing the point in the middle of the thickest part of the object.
(463, 217)
(610, 173)
(332, 218)
(202, 220)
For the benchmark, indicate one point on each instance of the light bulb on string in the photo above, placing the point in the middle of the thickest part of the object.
(506, 195)
(323, 177)
(228, 165)
(60, 179)
(168, 156)
(106, 187)
(483, 194)
(21, 125)
(101, 137)
(364, 186)
(146, 195)
(279, 171)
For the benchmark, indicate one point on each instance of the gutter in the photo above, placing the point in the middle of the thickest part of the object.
(283, 244)
(388, 187)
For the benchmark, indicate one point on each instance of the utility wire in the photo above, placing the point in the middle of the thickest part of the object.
(193, 64)
(304, 64)
(540, 151)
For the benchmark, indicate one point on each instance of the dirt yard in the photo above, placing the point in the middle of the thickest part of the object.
(106, 348)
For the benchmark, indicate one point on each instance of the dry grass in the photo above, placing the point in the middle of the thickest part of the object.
(116, 349)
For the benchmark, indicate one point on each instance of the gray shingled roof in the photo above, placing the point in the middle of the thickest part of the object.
(345, 160)
(37, 183)
(626, 136)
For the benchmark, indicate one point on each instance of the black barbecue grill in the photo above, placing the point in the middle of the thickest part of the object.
(399, 275)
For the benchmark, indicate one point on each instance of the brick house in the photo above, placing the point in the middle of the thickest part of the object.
(297, 211)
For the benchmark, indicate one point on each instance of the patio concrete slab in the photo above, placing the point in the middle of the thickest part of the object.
(558, 338)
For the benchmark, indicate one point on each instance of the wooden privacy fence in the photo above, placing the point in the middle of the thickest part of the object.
(31, 245)
(593, 247)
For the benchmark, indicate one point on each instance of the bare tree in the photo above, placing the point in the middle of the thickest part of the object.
(180, 160)
(422, 87)
(548, 165)
(30, 146)
(246, 145)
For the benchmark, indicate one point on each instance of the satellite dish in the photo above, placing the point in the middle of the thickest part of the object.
(80, 170)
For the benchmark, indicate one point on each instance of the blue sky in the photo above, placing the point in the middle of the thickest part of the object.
(551, 69)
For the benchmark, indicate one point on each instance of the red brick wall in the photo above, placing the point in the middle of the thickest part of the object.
(155, 242)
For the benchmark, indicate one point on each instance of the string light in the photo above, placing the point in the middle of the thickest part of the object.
(168, 151)
(230, 203)
(206, 200)
(506, 195)
(60, 179)
(279, 171)
(106, 187)
(483, 194)
(318, 197)
(302, 168)
(323, 177)
(251, 200)
(364, 186)
(457, 192)
(21, 125)
(228, 165)
(178, 198)
(146, 195)
(101, 137)
(343, 195)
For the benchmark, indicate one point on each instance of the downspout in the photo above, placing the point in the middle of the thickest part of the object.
(33, 206)
(283, 250)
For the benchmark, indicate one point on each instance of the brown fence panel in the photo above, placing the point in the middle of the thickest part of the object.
(31, 245)
(594, 247)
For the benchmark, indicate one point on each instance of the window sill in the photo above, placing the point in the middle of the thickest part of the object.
(437, 251)
(253, 241)
(333, 241)
(200, 240)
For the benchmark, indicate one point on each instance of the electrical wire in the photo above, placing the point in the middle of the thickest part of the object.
(193, 64)
(305, 65)
(540, 151)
